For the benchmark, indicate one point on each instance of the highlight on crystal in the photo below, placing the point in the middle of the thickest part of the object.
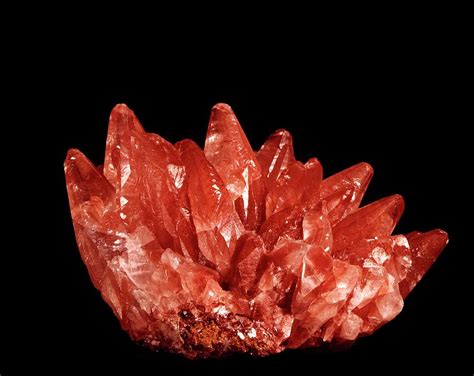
(222, 250)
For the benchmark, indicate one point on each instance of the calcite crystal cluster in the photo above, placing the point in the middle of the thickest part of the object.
(226, 250)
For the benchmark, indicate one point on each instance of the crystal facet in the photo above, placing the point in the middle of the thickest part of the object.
(208, 252)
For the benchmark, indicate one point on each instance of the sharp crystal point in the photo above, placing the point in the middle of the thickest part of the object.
(425, 248)
(375, 220)
(344, 191)
(221, 250)
(229, 151)
(84, 180)
(276, 155)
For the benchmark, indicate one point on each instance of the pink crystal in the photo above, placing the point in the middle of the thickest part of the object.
(227, 250)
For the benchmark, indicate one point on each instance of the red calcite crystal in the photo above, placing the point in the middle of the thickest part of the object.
(226, 250)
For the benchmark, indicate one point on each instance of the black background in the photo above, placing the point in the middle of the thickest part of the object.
(395, 104)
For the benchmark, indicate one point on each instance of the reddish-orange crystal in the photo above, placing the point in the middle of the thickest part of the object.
(208, 252)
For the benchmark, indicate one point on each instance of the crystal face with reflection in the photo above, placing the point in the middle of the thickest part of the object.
(221, 250)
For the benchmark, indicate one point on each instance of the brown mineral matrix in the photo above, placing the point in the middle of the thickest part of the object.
(221, 250)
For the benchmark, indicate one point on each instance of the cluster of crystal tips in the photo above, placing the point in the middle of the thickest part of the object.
(230, 250)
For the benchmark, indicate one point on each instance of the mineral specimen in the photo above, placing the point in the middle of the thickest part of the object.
(226, 250)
